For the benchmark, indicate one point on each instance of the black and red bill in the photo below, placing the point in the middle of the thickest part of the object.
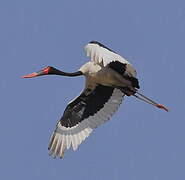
(30, 75)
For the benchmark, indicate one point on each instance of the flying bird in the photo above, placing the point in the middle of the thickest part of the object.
(109, 78)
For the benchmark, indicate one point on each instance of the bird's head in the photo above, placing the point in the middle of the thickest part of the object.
(45, 71)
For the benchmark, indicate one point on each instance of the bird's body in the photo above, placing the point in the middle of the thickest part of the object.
(109, 77)
(107, 67)
(96, 74)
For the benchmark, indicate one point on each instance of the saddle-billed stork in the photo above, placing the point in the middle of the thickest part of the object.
(109, 77)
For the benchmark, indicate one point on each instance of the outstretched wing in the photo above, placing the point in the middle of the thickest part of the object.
(102, 55)
(91, 109)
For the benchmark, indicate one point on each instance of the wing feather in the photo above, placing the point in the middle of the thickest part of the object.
(98, 53)
(103, 56)
(65, 137)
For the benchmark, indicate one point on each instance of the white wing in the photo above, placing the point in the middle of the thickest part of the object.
(82, 116)
(101, 54)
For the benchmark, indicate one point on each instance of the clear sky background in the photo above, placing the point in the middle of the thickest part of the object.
(140, 142)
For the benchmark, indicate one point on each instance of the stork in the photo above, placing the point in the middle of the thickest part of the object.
(109, 78)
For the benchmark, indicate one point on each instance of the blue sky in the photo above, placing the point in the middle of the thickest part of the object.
(140, 142)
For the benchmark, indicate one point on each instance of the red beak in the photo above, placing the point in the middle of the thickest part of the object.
(30, 75)
(44, 71)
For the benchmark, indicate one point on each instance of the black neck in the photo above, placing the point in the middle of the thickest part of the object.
(61, 73)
